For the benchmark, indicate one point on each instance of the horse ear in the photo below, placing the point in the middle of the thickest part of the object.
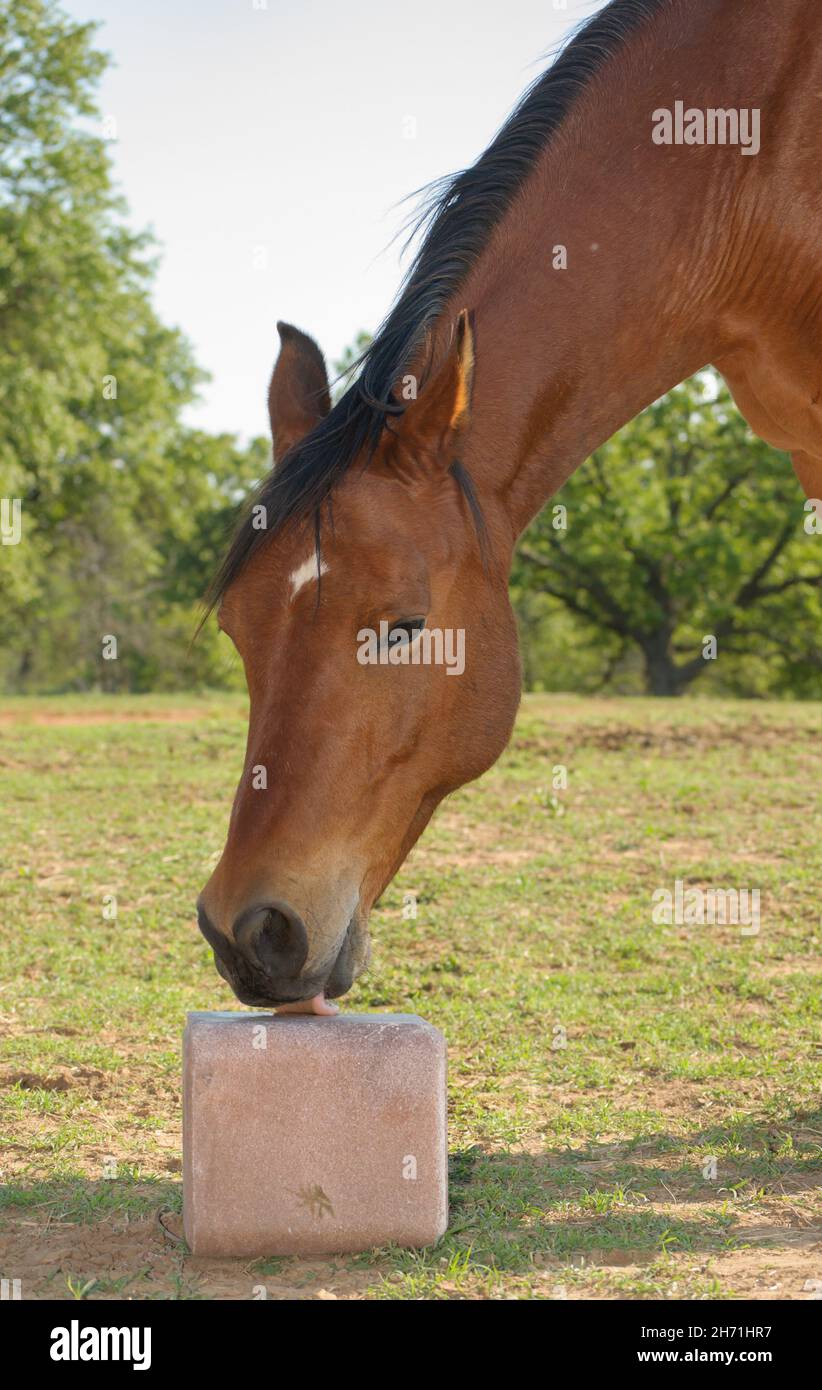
(298, 396)
(443, 407)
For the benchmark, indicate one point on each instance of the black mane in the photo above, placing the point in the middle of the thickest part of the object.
(458, 215)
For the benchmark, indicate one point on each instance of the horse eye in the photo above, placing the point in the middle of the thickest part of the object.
(399, 634)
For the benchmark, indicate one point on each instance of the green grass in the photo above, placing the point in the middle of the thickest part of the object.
(597, 1061)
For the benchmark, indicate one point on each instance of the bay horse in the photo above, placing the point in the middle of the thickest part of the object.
(599, 252)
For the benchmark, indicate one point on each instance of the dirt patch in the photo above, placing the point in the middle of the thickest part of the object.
(64, 1079)
(617, 738)
(777, 1275)
(88, 717)
(147, 1259)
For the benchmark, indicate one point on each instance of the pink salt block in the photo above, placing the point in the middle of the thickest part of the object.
(313, 1136)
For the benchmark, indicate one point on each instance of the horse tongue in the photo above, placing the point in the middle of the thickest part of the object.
(318, 1005)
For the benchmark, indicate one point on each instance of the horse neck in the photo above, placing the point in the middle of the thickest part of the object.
(565, 357)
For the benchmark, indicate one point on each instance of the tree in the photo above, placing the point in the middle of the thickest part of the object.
(682, 529)
(116, 519)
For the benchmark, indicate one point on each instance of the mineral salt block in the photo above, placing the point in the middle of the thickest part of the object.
(313, 1136)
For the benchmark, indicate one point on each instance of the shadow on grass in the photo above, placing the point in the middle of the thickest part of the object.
(80, 1200)
(509, 1209)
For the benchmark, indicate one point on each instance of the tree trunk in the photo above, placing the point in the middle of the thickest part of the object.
(662, 675)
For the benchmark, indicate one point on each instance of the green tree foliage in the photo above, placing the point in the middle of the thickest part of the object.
(123, 509)
(684, 526)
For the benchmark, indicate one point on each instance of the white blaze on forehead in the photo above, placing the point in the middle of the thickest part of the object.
(306, 573)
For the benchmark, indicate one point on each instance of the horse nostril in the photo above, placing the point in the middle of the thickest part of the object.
(274, 938)
(220, 946)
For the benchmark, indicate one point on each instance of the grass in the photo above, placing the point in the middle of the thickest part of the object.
(602, 1068)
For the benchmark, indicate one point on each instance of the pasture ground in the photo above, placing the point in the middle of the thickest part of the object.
(599, 1064)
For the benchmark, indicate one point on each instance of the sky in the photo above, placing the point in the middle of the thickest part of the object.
(268, 145)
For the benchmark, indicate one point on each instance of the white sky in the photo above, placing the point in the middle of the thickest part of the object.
(267, 148)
